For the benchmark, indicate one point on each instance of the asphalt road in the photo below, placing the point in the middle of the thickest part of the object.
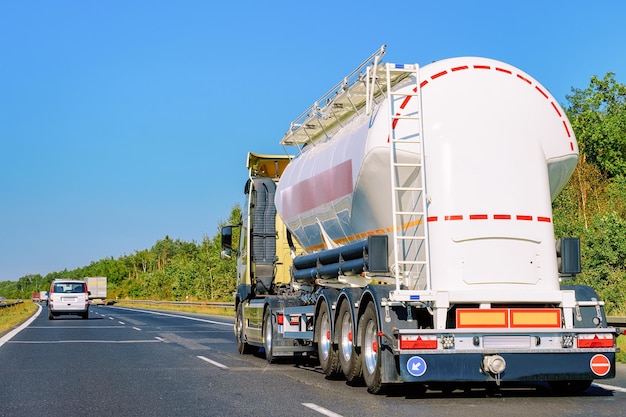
(124, 362)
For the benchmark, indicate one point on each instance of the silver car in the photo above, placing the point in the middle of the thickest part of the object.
(68, 297)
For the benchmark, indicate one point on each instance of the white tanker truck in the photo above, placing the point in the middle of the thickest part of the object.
(411, 238)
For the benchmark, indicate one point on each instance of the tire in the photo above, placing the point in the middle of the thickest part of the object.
(349, 358)
(242, 347)
(50, 315)
(326, 351)
(268, 336)
(370, 347)
(570, 387)
(85, 315)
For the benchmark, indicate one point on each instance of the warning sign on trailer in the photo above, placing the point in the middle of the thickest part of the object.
(600, 365)
(416, 366)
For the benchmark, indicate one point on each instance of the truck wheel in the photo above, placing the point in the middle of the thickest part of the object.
(370, 349)
(50, 315)
(268, 336)
(569, 387)
(348, 356)
(326, 352)
(242, 346)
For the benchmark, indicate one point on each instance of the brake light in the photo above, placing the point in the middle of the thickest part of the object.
(418, 342)
(280, 319)
(603, 340)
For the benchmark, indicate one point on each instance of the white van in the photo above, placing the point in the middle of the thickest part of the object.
(68, 297)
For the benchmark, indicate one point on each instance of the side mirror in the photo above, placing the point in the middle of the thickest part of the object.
(568, 255)
(227, 238)
(225, 255)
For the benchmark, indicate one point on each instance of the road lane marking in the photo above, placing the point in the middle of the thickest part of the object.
(13, 332)
(321, 410)
(179, 316)
(137, 328)
(121, 322)
(44, 342)
(73, 327)
(160, 339)
(219, 365)
(611, 387)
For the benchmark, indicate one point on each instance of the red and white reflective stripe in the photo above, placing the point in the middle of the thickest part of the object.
(502, 71)
(603, 340)
(418, 342)
(483, 216)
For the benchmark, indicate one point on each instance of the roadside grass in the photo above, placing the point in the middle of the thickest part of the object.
(14, 315)
(192, 308)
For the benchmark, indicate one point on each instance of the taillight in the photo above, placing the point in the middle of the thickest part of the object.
(280, 319)
(604, 340)
(418, 342)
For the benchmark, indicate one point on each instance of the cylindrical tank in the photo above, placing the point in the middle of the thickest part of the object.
(498, 149)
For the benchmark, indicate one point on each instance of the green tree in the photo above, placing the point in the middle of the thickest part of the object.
(597, 114)
(593, 204)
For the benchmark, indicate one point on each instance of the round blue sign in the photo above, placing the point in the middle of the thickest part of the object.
(416, 366)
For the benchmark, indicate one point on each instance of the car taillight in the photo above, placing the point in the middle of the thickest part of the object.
(603, 340)
(280, 319)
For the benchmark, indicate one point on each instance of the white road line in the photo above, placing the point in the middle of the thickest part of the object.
(219, 365)
(111, 318)
(121, 322)
(55, 328)
(160, 339)
(137, 328)
(179, 316)
(15, 331)
(321, 410)
(51, 342)
(611, 387)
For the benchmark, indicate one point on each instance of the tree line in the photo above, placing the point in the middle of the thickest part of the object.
(592, 206)
(172, 269)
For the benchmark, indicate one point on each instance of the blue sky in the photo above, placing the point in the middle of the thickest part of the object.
(122, 122)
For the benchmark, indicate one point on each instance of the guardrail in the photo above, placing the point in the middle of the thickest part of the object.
(181, 303)
(10, 304)
(617, 321)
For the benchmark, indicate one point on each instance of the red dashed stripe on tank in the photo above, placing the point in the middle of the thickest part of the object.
(500, 70)
(484, 216)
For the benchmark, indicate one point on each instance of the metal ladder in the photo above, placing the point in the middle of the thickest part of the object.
(408, 185)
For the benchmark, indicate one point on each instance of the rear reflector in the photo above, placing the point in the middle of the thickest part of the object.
(467, 318)
(418, 342)
(595, 341)
(536, 318)
(474, 318)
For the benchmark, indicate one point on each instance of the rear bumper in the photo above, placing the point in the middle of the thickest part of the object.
(65, 309)
(519, 367)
